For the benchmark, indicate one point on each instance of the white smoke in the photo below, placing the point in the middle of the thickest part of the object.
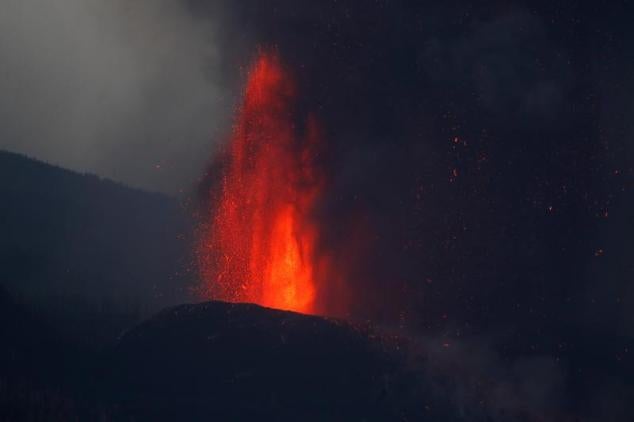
(129, 90)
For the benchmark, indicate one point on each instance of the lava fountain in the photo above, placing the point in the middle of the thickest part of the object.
(260, 241)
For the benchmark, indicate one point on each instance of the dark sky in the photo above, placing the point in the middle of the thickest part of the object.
(486, 148)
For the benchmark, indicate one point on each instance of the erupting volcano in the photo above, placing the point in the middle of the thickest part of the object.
(260, 243)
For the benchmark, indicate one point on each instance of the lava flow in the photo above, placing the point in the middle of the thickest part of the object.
(260, 243)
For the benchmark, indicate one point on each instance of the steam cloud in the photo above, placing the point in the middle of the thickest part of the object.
(127, 90)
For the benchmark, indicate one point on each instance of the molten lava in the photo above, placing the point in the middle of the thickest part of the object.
(260, 243)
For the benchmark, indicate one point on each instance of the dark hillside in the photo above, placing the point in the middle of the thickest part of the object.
(223, 361)
(74, 244)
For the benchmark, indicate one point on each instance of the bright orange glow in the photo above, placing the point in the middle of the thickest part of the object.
(260, 244)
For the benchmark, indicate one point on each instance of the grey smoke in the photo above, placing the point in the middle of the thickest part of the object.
(130, 90)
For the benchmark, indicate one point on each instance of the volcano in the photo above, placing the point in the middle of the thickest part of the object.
(229, 361)
(260, 239)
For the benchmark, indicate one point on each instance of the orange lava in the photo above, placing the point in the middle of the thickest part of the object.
(260, 243)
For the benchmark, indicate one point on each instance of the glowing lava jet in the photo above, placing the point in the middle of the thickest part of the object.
(259, 245)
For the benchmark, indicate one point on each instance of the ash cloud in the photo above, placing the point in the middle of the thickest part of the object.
(478, 382)
(506, 64)
(127, 90)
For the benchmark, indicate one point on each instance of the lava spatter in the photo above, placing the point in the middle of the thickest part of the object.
(260, 243)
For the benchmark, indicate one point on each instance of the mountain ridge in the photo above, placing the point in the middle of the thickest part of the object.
(78, 244)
